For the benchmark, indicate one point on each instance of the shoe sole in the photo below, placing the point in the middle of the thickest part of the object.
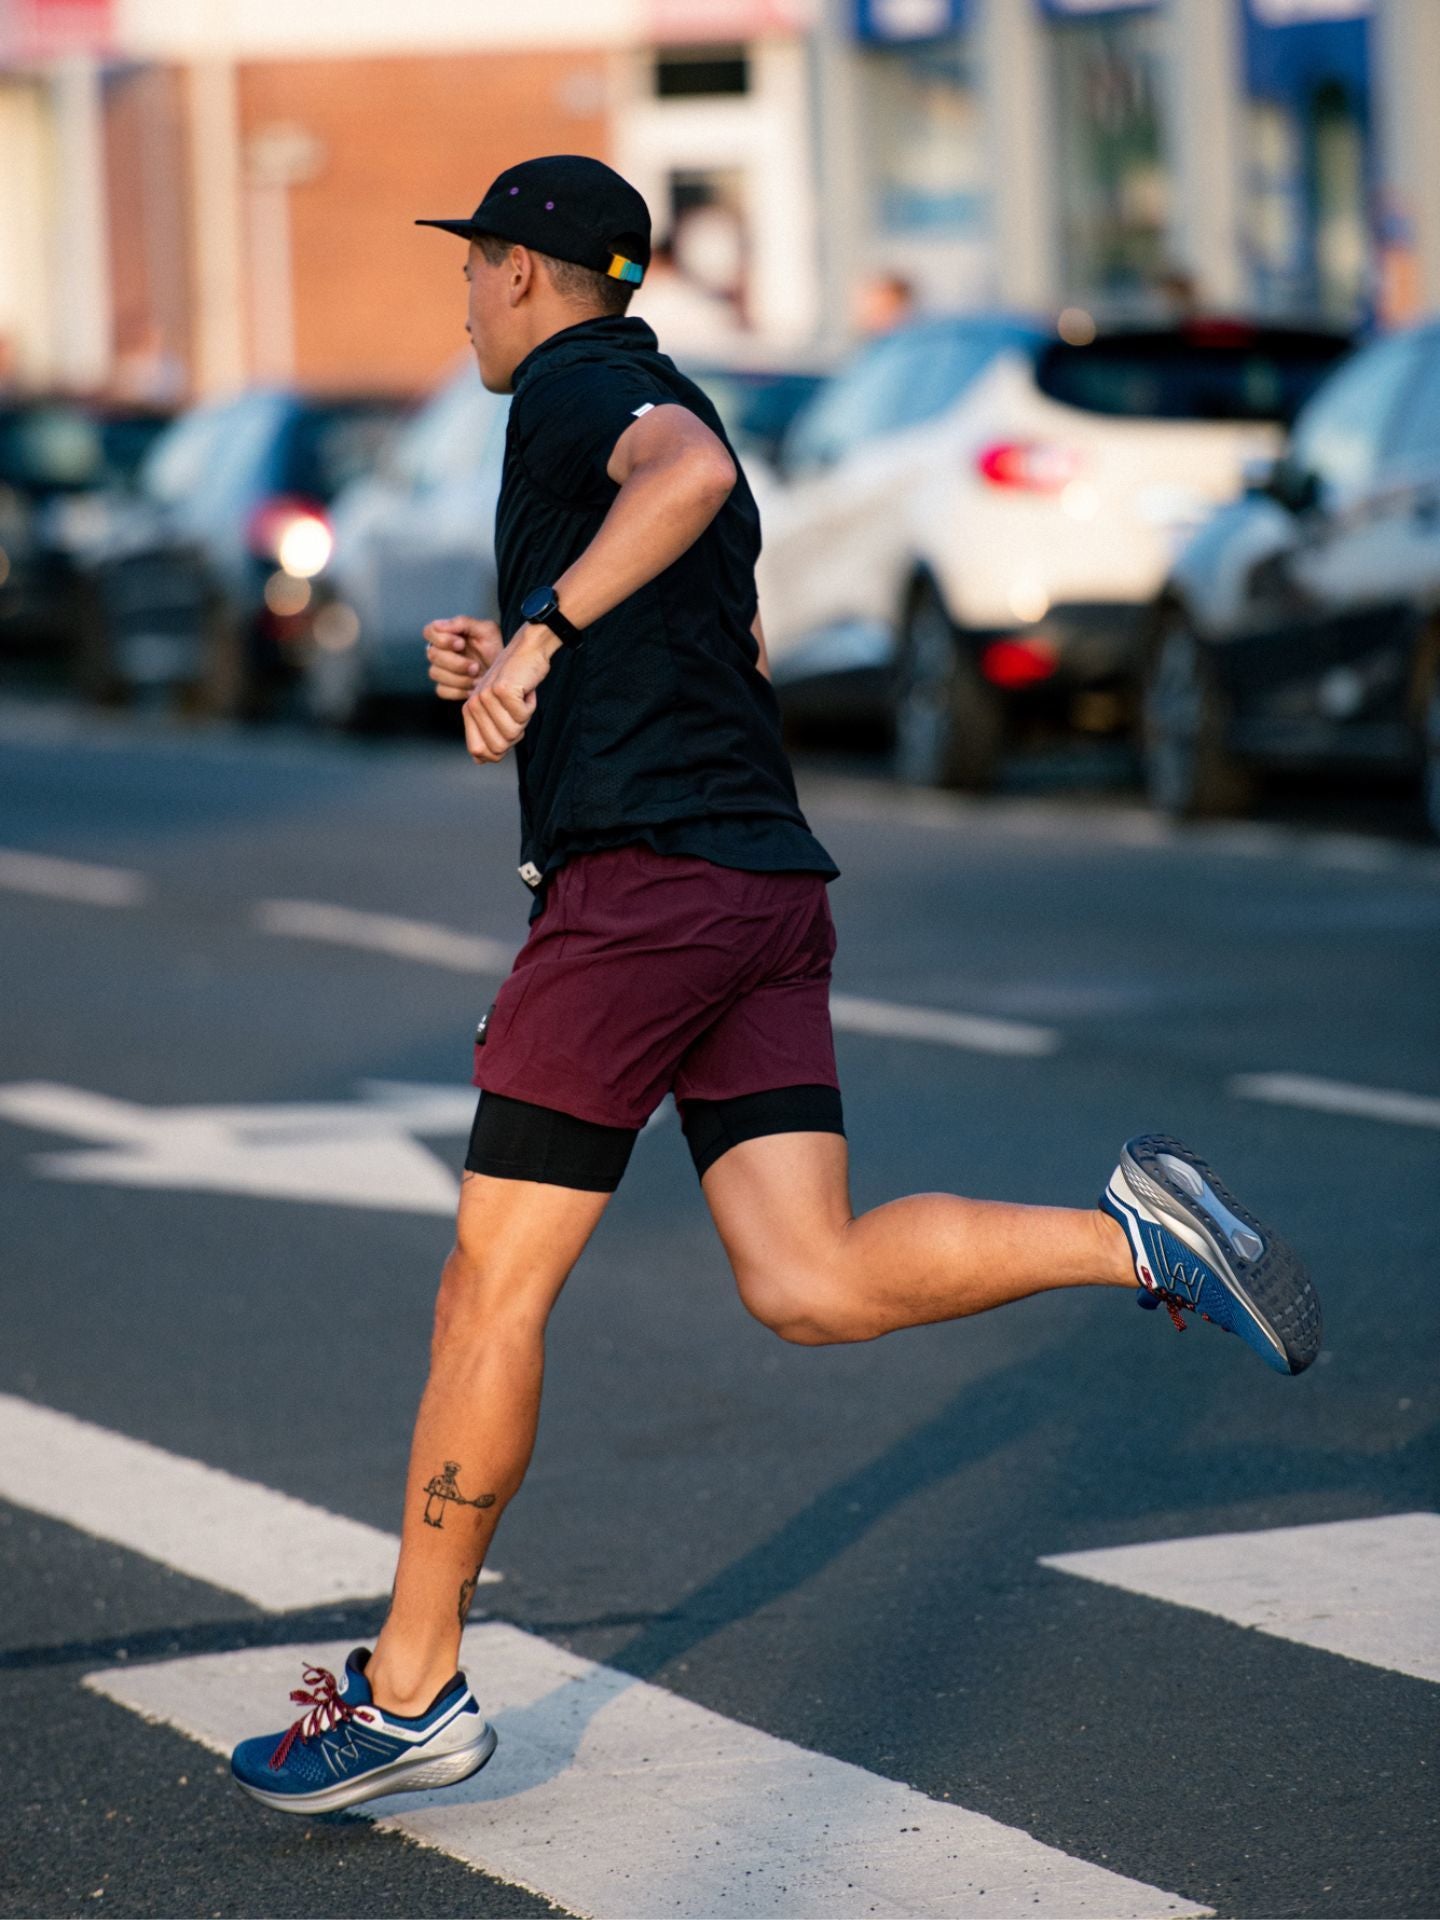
(1269, 1280)
(401, 1776)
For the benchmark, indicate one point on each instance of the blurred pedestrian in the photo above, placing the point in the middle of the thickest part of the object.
(883, 302)
(680, 942)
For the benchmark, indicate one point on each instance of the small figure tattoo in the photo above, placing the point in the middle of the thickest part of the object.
(467, 1594)
(442, 1488)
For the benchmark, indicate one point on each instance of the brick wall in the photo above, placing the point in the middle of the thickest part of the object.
(379, 302)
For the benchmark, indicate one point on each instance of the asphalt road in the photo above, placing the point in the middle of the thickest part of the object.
(840, 1548)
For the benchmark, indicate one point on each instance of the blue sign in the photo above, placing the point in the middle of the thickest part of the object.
(1294, 47)
(897, 22)
(1087, 8)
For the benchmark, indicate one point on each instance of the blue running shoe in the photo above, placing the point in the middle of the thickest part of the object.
(347, 1749)
(1196, 1250)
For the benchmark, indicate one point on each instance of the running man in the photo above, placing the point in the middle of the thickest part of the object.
(680, 941)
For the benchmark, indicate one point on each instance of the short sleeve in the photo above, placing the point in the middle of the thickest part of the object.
(568, 422)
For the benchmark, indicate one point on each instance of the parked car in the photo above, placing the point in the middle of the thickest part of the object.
(60, 460)
(203, 581)
(974, 515)
(415, 539)
(1301, 626)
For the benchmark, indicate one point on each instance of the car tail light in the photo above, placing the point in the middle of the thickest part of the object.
(1031, 465)
(1018, 661)
(294, 531)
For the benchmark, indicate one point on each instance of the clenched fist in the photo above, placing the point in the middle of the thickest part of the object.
(459, 650)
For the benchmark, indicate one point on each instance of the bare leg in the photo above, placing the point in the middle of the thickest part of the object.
(814, 1271)
(515, 1243)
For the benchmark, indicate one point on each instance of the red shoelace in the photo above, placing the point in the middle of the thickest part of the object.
(1175, 1304)
(327, 1710)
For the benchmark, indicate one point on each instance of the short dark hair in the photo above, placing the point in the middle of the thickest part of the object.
(584, 285)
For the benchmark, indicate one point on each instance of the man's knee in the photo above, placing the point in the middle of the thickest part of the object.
(797, 1299)
(478, 1301)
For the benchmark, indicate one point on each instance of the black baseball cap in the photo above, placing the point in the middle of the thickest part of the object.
(569, 206)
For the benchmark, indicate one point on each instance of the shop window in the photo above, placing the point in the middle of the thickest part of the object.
(682, 74)
(926, 141)
(1114, 190)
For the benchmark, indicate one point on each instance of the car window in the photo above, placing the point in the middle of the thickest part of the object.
(448, 437)
(1198, 373)
(1340, 434)
(50, 449)
(1414, 439)
(898, 382)
(755, 407)
(329, 446)
(211, 451)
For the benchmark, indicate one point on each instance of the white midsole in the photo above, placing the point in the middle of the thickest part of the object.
(400, 1776)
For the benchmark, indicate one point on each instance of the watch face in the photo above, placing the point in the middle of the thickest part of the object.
(537, 603)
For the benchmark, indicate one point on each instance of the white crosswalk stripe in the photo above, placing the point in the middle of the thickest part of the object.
(279, 1553)
(617, 1798)
(1367, 1589)
(609, 1795)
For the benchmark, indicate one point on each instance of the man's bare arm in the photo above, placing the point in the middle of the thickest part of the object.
(674, 476)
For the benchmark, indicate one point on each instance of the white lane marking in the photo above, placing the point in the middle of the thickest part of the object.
(385, 933)
(1338, 1096)
(360, 1154)
(1367, 1589)
(855, 1014)
(614, 1797)
(72, 879)
(279, 1553)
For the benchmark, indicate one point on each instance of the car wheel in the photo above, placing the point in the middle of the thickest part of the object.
(1189, 770)
(949, 726)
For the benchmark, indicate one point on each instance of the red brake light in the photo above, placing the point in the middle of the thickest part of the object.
(1211, 331)
(293, 531)
(1018, 662)
(1029, 465)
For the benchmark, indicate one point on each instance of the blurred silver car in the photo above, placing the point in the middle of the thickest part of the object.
(1301, 626)
(412, 541)
(415, 539)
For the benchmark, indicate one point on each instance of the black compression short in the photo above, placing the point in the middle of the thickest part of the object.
(517, 1140)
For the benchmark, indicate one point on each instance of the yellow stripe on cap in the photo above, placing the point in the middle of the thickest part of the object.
(622, 269)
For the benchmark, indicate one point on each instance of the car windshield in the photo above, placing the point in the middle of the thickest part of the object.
(1203, 372)
(755, 406)
(448, 437)
(330, 445)
(49, 449)
(899, 381)
(209, 450)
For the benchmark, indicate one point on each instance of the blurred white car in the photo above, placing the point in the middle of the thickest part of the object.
(969, 521)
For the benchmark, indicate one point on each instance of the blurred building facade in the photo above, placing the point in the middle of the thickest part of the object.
(204, 192)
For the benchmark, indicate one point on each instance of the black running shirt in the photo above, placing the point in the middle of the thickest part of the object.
(659, 727)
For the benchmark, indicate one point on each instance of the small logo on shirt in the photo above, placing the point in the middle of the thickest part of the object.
(649, 407)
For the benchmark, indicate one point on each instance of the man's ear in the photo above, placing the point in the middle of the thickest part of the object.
(522, 273)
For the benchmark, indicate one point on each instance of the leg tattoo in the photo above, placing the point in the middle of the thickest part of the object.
(467, 1594)
(443, 1489)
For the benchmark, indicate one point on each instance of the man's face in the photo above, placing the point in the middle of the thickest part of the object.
(492, 319)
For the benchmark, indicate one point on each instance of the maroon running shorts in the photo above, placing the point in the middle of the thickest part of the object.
(648, 973)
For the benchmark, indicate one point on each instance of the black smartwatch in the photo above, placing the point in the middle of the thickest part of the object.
(541, 608)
